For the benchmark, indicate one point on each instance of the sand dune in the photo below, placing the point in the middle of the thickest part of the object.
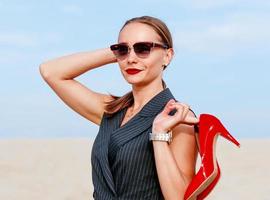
(60, 169)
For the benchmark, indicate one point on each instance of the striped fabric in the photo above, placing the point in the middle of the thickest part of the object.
(123, 163)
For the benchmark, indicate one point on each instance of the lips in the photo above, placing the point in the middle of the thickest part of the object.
(133, 71)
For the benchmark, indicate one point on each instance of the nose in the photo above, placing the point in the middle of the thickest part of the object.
(131, 57)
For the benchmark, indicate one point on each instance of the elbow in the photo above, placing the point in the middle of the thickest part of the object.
(176, 193)
(43, 71)
(184, 189)
(176, 196)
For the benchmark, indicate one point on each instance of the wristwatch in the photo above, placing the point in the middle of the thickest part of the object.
(166, 137)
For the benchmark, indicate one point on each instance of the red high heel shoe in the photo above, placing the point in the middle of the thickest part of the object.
(207, 190)
(205, 193)
(208, 175)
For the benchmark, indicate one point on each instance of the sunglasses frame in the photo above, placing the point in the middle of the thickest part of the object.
(115, 47)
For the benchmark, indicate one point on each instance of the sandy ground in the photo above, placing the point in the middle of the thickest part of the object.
(60, 169)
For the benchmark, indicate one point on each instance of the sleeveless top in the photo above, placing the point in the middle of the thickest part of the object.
(122, 158)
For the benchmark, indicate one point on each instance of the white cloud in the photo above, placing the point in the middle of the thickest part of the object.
(22, 46)
(214, 4)
(27, 39)
(237, 32)
(17, 39)
(206, 4)
(7, 58)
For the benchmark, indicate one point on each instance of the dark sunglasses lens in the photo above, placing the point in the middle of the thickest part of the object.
(119, 49)
(142, 49)
(122, 50)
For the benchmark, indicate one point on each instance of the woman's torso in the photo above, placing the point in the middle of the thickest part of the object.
(123, 163)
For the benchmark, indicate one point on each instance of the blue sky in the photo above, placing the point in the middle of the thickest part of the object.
(221, 63)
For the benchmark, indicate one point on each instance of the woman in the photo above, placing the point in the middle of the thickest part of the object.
(134, 155)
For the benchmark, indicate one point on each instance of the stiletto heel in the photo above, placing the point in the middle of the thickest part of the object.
(208, 175)
(209, 122)
(219, 127)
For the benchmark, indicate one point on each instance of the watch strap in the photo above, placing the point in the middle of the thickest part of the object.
(166, 137)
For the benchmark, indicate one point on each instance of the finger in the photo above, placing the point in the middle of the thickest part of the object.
(186, 108)
(184, 114)
(169, 106)
(182, 109)
(189, 117)
(191, 120)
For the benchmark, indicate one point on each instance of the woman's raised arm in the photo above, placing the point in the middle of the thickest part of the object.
(59, 73)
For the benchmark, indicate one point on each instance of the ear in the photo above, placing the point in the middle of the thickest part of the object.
(168, 56)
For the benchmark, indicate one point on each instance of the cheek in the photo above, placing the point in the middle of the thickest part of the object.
(155, 63)
(153, 70)
(121, 65)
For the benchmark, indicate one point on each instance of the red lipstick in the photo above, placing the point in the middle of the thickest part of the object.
(133, 71)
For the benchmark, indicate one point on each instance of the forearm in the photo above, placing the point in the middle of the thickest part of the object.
(172, 181)
(71, 66)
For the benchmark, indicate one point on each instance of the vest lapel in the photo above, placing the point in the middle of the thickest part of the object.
(141, 121)
(109, 124)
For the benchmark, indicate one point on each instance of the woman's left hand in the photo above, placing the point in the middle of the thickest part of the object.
(164, 122)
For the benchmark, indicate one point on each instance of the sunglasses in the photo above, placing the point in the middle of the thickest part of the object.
(141, 49)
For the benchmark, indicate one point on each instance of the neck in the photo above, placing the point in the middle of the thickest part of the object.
(144, 94)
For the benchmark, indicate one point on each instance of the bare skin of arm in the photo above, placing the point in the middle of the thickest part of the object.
(176, 161)
(59, 73)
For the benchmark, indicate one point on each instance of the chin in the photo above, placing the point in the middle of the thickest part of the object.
(137, 83)
(133, 80)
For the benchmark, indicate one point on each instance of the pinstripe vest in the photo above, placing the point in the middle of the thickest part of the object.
(123, 163)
